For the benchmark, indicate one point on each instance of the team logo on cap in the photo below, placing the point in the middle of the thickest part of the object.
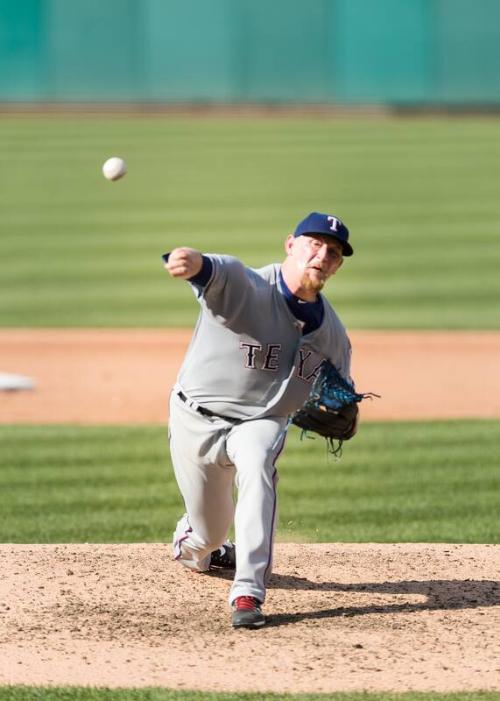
(334, 223)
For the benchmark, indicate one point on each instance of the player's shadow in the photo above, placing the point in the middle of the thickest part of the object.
(440, 594)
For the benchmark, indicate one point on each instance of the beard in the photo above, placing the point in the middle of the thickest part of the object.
(312, 283)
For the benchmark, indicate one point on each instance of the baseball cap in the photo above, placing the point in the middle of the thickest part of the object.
(328, 225)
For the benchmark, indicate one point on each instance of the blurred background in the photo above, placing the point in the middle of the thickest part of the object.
(390, 52)
(236, 119)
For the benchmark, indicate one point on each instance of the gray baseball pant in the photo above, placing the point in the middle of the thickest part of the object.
(210, 455)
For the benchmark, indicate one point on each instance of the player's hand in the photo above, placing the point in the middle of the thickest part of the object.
(184, 262)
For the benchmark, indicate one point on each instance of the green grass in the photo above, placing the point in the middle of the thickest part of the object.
(420, 197)
(154, 694)
(429, 482)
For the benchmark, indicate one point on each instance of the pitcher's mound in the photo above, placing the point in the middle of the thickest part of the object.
(341, 617)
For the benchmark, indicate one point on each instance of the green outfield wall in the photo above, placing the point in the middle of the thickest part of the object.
(333, 51)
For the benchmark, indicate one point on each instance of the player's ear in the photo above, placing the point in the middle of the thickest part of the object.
(289, 244)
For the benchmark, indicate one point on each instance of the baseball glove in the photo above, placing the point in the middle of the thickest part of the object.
(331, 409)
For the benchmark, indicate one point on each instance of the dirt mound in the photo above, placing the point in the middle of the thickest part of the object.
(341, 617)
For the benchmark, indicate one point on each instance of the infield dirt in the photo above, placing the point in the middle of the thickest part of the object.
(341, 617)
(124, 376)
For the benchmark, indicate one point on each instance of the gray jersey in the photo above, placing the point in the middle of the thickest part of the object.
(248, 358)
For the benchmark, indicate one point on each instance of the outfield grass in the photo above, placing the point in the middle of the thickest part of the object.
(427, 482)
(155, 694)
(420, 197)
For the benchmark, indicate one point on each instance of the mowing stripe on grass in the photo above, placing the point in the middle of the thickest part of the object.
(24, 693)
(419, 195)
(415, 482)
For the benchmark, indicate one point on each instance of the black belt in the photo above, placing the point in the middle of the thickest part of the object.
(206, 412)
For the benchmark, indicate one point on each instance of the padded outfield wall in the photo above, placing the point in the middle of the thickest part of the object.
(329, 51)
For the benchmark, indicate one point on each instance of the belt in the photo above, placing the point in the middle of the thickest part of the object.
(205, 412)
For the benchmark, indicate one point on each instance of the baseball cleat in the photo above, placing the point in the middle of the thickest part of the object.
(224, 558)
(247, 613)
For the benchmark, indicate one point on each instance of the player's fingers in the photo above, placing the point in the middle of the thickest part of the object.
(180, 256)
(181, 268)
(175, 262)
(178, 270)
(183, 262)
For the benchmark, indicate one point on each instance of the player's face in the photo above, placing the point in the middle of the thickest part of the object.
(317, 257)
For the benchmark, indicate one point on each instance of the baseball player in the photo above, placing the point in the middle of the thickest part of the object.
(257, 346)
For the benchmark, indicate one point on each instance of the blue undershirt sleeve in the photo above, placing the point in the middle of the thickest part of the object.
(201, 278)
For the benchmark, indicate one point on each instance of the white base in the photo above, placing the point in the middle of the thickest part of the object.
(12, 383)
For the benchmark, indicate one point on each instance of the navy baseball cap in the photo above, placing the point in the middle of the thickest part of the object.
(328, 225)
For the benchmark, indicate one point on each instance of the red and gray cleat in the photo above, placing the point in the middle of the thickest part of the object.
(247, 613)
(224, 558)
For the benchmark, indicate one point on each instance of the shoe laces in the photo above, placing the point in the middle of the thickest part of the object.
(246, 603)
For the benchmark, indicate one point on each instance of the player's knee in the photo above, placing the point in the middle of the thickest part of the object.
(212, 540)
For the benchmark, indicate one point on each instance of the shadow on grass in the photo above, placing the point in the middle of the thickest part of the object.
(441, 594)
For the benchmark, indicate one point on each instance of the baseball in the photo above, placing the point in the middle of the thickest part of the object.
(114, 168)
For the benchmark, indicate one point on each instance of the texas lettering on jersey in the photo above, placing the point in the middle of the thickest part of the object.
(271, 355)
(310, 373)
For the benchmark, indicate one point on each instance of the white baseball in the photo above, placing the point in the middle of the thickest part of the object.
(114, 168)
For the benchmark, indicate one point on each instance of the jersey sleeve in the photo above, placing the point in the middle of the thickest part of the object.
(230, 287)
